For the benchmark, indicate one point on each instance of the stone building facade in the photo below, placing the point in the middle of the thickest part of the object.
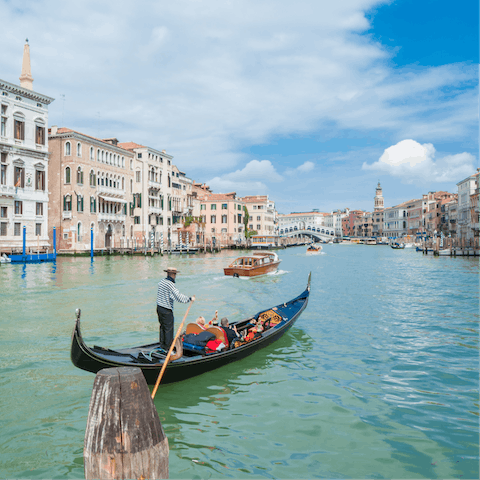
(91, 181)
(24, 164)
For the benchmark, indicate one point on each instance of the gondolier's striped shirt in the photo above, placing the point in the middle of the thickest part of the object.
(167, 293)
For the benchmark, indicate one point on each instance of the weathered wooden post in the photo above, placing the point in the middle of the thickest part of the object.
(124, 438)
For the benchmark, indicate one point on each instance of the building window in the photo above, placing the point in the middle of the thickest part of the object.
(139, 155)
(3, 130)
(3, 171)
(67, 203)
(38, 229)
(68, 149)
(92, 154)
(79, 203)
(39, 208)
(93, 205)
(213, 219)
(39, 135)
(17, 229)
(92, 178)
(19, 177)
(19, 130)
(79, 232)
(224, 219)
(203, 207)
(213, 206)
(3, 212)
(3, 229)
(18, 207)
(224, 206)
(39, 180)
(136, 220)
(67, 175)
(258, 227)
(79, 176)
(138, 176)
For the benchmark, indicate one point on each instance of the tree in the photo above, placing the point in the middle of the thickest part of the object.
(246, 218)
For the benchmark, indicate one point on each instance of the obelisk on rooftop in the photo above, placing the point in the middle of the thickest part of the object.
(26, 79)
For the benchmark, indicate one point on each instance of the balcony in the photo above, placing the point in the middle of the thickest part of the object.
(111, 217)
(110, 191)
(155, 185)
(157, 210)
(7, 191)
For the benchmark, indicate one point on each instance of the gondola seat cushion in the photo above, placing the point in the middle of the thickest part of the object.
(200, 339)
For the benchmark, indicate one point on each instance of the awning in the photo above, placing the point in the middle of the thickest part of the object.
(112, 199)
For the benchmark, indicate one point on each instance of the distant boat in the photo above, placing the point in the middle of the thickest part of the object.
(445, 252)
(314, 249)
(259, 263)
(397, 246)
(5, 259)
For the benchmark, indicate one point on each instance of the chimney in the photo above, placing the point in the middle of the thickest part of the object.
(26, 79)
(111, 141)
(53, 130)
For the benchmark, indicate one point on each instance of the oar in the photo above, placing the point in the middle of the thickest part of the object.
(167, 358)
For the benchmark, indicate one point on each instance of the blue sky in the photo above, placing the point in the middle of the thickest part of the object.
(311, 102)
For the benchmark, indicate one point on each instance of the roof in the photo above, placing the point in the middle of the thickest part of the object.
(130, 145)
(61, 130)
(216, 197)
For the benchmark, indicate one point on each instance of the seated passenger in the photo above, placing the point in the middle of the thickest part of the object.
(232, 333)
(200, 321)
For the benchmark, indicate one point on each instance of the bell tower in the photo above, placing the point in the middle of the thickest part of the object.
(379, 205)
(26, 79)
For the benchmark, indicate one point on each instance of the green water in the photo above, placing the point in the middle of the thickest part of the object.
(377, 379)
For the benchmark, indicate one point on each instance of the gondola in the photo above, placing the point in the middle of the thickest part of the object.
(149, 358)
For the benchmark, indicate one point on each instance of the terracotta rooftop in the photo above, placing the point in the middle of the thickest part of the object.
(215, 197)
(130, 145)
(61, 130)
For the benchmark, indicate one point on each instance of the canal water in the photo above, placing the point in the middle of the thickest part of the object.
(379, 377)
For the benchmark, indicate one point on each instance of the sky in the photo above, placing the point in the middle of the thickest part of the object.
(311, 102)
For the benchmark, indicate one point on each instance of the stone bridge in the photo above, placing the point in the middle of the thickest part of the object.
(316, 232)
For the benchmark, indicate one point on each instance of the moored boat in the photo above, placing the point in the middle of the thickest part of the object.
(259, 263)
(5, 259)
(150, 358)
(445, 252)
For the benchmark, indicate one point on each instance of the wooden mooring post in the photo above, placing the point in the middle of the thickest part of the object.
(124, 438)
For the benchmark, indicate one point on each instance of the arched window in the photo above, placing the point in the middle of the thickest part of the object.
(92, 154)
(79, 176)
(68, 149)
(98, 178)
(111, 159)
(123, 162)
(92, 178)
(131, 185)
(98, 155)
(79, 149)
(67, 203)
(93, 205)
(103, 156)
(131, 164)
(79, 232)
(67, 175)
(79, 203)
(123, 183)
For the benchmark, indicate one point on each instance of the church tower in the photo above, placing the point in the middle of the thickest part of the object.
(26, 79)
(379, 205)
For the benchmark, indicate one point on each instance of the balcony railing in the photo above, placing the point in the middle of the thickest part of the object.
(111, 217)
(155, 210)
(7, 191)
(110, 191)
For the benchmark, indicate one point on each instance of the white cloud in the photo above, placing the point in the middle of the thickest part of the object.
(306, 167)
(207, 78)
(252, 178)
(416, 163)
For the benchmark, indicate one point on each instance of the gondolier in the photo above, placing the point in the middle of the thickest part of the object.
(166, 294)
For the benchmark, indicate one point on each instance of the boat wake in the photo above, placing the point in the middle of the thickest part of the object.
(277, 272)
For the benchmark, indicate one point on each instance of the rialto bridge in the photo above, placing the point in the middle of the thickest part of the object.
(317, 232)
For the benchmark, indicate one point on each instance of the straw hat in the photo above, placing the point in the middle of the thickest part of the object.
(171, 270)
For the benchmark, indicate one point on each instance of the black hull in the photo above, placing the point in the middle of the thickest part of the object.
(96, 358)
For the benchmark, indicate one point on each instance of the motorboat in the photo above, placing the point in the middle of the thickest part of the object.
(259, 263)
